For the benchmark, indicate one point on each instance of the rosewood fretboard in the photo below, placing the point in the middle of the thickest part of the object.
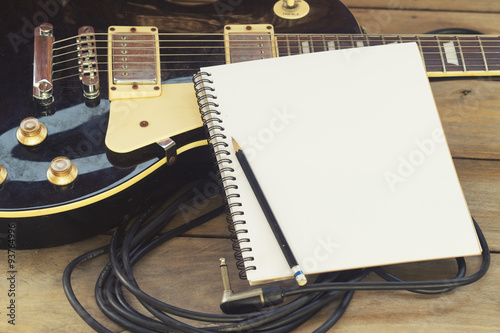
(444, 55)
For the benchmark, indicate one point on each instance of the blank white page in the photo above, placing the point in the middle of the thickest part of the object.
(349, 150)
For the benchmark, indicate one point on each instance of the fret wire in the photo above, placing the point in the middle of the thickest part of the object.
(352, 41)
(288, 48)
(367, 40)
(441, 54)
(324, 43)
(426, 61)
(383, 40)
(419, 43)
(461, 54)
(400, 39)
(278, 46)
(312, 44)
(288, 44)
(482, 52)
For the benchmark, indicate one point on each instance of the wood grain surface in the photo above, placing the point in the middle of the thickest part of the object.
(185, 271)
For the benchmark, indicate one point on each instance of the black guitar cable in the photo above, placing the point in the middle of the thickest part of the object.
(132, 242)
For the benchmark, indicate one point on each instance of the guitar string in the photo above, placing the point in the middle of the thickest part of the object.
(293, 49)
(476, 64)
(434, 43)
(357, 36)
(125, 45)
(344, 42)
(217, 61)
(437, 67)
(433, 69)
(105, 70)
(468, 48)
(139, 41)
(138, 70)
(297, 38)
(430, 63)
(138, 33)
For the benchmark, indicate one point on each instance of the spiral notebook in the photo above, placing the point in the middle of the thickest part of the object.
(349, 150)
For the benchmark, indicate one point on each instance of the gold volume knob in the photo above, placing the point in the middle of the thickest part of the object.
(31, 132)
(3, 174)
(62, 171)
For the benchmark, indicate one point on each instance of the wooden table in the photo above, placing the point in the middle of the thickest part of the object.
(185, 271)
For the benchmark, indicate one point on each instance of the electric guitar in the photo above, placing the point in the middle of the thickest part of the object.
(100, 120)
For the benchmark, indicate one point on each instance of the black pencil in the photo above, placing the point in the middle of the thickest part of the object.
(271, 219)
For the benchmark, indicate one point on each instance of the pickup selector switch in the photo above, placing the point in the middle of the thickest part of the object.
(31, 132)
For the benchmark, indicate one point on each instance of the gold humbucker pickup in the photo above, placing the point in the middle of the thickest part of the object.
(134, 58)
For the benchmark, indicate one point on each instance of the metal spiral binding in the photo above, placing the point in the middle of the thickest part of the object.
(205, 97)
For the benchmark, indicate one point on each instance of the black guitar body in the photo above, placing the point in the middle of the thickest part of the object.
(41, 214)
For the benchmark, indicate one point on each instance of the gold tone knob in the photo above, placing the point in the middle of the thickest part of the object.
(62, 171)
(291, 9)
(3, 174)
(31, 132)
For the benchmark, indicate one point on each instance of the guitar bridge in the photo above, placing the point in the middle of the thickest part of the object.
(87, 59)
(42, 71)
(134, 60)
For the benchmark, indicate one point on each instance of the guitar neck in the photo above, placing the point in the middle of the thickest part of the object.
(443, 55)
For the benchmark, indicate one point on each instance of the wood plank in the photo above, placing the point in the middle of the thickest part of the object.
(185, 273)
(447, 5)
(402, 311)
(481, 186)
(387, 21)
(470, 114)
